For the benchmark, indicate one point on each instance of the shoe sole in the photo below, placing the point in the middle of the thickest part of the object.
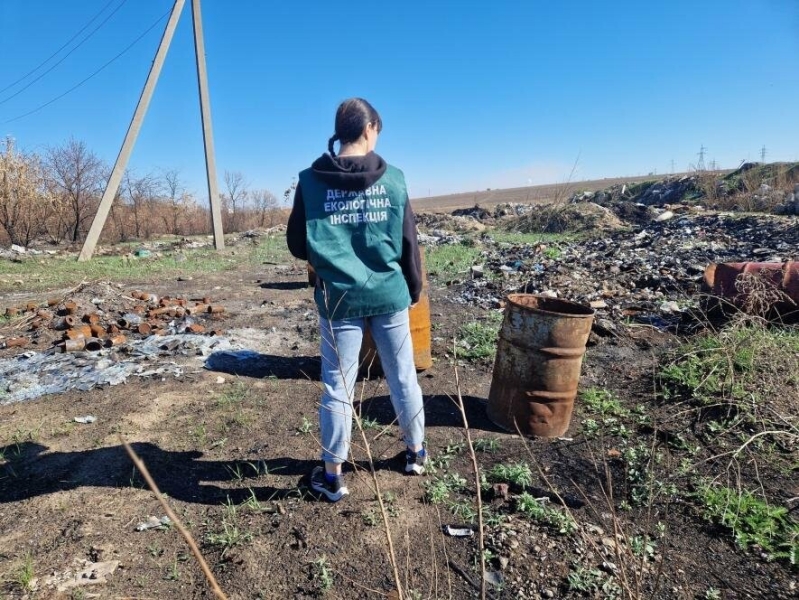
(333, 497)
(414, 470)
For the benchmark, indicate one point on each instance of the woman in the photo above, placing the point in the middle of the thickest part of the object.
(352, 221)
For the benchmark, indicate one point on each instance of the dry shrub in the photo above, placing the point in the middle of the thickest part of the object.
(567, 218)
(758, 294)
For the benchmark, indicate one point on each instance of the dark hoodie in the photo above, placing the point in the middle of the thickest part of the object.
(356, 173)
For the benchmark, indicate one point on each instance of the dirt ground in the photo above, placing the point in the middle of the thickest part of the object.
(232, 453)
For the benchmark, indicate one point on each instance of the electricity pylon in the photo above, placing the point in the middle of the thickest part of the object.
(138, 118)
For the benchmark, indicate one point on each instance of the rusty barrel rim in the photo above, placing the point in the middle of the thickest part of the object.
(551, 306)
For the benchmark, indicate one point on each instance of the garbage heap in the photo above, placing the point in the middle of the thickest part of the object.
(650, 273)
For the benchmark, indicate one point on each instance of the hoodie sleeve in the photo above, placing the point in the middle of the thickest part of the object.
(296, 234)
(411, 261)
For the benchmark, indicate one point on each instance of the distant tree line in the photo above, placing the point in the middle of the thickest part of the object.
(52, 197)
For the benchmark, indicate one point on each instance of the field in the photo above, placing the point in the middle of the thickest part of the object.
(535, 194)
(676, 479)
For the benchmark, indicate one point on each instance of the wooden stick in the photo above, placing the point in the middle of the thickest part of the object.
(139, 463)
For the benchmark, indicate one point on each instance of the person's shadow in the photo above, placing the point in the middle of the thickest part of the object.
(248, 363)
(439, 410)
(29, 471)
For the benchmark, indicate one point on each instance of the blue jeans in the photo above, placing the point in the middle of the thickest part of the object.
(341, 344)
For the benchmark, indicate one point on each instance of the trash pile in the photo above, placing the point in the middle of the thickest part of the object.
(100, 337)
(651, 273)
(72, 325)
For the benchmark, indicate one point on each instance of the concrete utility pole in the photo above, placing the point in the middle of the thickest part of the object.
(138, 118)
(208, 136)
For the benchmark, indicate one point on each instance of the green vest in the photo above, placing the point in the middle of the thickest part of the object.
(355, 245)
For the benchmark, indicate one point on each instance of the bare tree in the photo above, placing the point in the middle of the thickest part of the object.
(23, 194)
(235, 198)
(175, 196)
(77, 180)
(141, 193)
(265, 203)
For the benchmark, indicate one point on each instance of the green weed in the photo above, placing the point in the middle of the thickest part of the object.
(530, 239)
(477, 340)
(438, 489)
(518, 474)
(486, 444)
(322, 573)
(25, 574)
(368, 423)
(594, 582)
(451, 261)
(463, 510)
(369, 517)
(173, 574)
(541, 512)
(735, 364)
(305, 427)
(444, 458)
(155, 550)
(234, 394)
(752, 521)
(712, 594)
(199, 434)
(229, 537)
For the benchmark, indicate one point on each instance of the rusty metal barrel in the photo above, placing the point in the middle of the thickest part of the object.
(722, 279)
(537, 367)
(419, 317)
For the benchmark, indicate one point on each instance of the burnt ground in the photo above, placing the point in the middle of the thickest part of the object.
(232, 451)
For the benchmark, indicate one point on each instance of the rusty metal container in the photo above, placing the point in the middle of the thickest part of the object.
(419, 318)
(537, 367)
(14, 342)
(67, 322)
(196, 309)
(115, 340)
(720, 280)
(93, 344)
(75, 345)
(91, 318)
(79, 331)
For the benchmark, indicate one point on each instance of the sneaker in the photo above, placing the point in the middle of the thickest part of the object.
(415, 461)
(333, 491)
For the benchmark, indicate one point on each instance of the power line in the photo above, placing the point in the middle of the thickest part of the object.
(83, 41)
(53, 55)
(73, 88)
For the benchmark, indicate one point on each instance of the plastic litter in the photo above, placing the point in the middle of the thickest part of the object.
(32, 374)
(154, 523)
(85, 420)
(458, 531)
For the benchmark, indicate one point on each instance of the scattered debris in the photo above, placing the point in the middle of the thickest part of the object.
(154, 523)
(85, 420)
(650, 273)
(88, 573)
(458, 531)
(34, 374)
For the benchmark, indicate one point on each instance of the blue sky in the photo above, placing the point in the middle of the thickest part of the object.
(472, 95)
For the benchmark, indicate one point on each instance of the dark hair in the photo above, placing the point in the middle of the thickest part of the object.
(352, 117)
